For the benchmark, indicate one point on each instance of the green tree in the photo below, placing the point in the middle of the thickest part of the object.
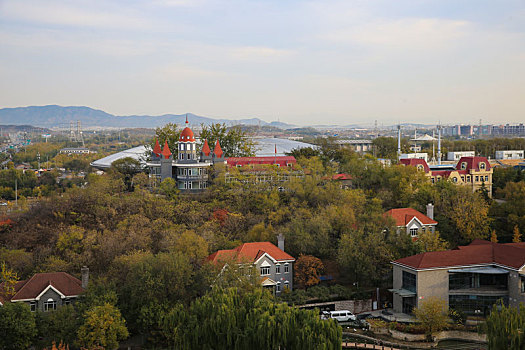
(432, 313)
(429, 241)
(229, 319)
(504, 327)
(17, 326)
(169, 132)
(127, 167)
(103, 327)
(234, 142)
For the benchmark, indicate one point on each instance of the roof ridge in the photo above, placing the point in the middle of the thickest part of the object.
(25, 284)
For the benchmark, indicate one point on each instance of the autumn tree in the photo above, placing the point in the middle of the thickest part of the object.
(103, 327)
(307, 270)
(233, 140)
(432, 313)
(516, 237)
(493, 237)
(9, 278)
(429, 241)
(127, 167)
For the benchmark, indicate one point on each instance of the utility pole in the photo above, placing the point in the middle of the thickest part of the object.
(38, 158)
(16, 192)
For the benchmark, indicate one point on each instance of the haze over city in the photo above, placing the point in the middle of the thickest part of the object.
(302, 62)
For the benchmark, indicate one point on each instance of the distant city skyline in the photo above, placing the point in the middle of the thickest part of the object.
(301, 62)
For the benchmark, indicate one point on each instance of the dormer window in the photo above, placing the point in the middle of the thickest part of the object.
(50, 304)
(420, 167)
(482, 165)
(463, 165)
(454, 179)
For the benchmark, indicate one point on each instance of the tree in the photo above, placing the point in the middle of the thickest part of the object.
(169, 132)
(504, 327)
(127, 167)
(234, 142)
(493, 237)
(231, 319)
(17, 326)
(103, 327)
(432, 314)
(429, 241)
(9, 278)
(307, 271)
(59, 326)
(516, 238)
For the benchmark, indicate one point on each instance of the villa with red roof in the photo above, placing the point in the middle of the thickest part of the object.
(470, 278)
(413, 221)
(46, 291)
(474, 172)
(274, 265)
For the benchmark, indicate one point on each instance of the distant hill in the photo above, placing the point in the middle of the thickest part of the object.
(58, 116)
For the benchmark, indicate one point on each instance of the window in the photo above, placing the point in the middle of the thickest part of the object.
(454, 179)
(486, 178)
(468, 178)
(413, 232)
(420, 167)
(50, 304)
(67, 301)
(265, 270)
(286, 268)
(523, 284)
(409, 281)
(462, 178)
(32, 305)
(278, 287)
(277, 268)
(477, 178)
(286, 285)
(482, 165)
(433, 180)
(463, 165)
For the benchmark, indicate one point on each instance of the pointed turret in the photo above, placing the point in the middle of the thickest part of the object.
(156, 149)
(166, 151)
(217, 152)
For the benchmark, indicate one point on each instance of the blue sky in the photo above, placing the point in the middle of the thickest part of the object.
(302, 62)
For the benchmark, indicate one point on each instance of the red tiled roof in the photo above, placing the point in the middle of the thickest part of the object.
(187, 135)
(166, 151)
(342, 177)
(31, 288)
(473, 163)
(415, 162)
(478, 252)
(242, 161)
(206, 148)
(403, 216)
(157, 149)
(217, 150)
(250, 252)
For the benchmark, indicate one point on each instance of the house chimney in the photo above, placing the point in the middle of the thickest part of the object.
(430, 210)
(85, 276)
(280, 241)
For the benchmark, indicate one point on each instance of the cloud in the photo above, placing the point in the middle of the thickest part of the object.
(260, 53)
(55, 13)
(404, 33)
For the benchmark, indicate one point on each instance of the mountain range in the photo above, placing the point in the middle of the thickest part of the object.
(53, 116)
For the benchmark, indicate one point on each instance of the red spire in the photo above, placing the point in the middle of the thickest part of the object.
(187, 118)
(166, 151)
(157, 149)
(206, 148)
(217, 151)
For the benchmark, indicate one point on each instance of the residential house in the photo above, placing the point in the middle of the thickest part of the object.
(412, 221)
(474, 172)
(261, 169)
(46, 291)
(274, 265)
(470, 278)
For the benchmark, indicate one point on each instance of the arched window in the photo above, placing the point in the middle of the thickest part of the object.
(463, 165)
(50, 304)
(482, 165)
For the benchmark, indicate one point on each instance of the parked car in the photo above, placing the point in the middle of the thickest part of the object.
(343, 315)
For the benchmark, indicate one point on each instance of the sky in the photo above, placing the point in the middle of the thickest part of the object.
(301, 62)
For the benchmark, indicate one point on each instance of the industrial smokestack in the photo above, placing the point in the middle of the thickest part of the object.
(439, 144)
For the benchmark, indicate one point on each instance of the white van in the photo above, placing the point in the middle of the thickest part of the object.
(343, 315)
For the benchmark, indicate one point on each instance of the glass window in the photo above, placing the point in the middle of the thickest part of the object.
(413, 232)
(50, 304)
(486, 178)
(482, 165)
(277, 268)
(523, 284)
(409, 281)
(278, 287)
(286, 285)
(477, 178)
(463, 165)
(286, 268)
(265, 270)
(32, 305)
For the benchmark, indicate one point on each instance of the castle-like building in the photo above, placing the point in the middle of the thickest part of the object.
(191, 168)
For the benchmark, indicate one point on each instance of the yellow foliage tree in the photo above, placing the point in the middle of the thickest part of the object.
(307, 270)
(9, 278)
(516, 237)
(493, 237)
(432, 313)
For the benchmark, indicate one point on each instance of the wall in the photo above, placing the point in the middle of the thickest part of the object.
(432, 283)
(515, 295)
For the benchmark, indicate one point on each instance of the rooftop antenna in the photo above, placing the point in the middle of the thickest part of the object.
(80, 138)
